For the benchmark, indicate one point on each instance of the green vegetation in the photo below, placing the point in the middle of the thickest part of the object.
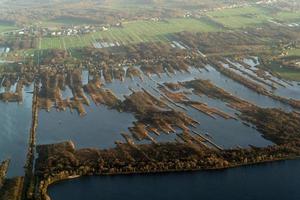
(290, 75)
(286, 73)
(288, 16)
(250, 16)
(239, 11)
(240, 17)
(60, 21)
(294, 52)
(132, 32)
(4, 27)
(241, 21)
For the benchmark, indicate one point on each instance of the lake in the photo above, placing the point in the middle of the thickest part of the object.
(274, 181)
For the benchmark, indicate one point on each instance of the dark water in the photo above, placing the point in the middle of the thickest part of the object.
(274, 181)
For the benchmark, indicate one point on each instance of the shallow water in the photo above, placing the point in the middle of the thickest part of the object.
(273, 181)
(228, 133)
(288, 89)
(61, 126)
(100, 128)
(241, 91)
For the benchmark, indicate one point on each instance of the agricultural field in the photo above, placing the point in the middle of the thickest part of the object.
(290, 75)
(288, 16)
(61, 21)
(241, 21)
(287, 72)
(4, 27)
(250, 16)
(132, 32)
(294, 52)
(240, 17)
(253, 10)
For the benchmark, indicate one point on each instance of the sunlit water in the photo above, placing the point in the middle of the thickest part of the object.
(15, 121)
(102, 127)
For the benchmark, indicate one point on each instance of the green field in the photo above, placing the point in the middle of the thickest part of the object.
(250, 16)
(238, 11)
(288, 16)
(241, 21)
(132, 32)
(62, 21)
(294, 52)
(295, 76)
(7, 27)
(240, 17)
(286, 72)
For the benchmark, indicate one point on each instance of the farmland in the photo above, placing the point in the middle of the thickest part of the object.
(250, 16)
(288, 16)
(294, 52)
(4, 27)
(61, 21)
(132, 32)
(292, 75)
(138, 31)
(239, 17)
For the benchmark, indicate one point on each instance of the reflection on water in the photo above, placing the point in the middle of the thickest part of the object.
(274, 181)
(97, 129)
(15, 122)
(100, 128)
(289, 91)
(242, 91)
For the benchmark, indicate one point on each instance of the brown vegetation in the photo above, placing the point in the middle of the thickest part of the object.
(61, 161)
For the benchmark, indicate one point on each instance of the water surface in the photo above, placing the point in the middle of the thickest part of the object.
(15, 121)
(274, 181)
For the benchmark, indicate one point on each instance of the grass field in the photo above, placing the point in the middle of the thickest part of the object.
(240, 17)
(286, 73)
(150, 31)
(295, 76)
(61, 21)
(241, 21)
(294, 52)
(133, 32)
(7, 27)
(288, 16)
(238, 11)
(250, 16)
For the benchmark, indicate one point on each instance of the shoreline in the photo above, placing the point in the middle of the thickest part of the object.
(146, 163)
(165, 172)
(178, 171)
(181, 170)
